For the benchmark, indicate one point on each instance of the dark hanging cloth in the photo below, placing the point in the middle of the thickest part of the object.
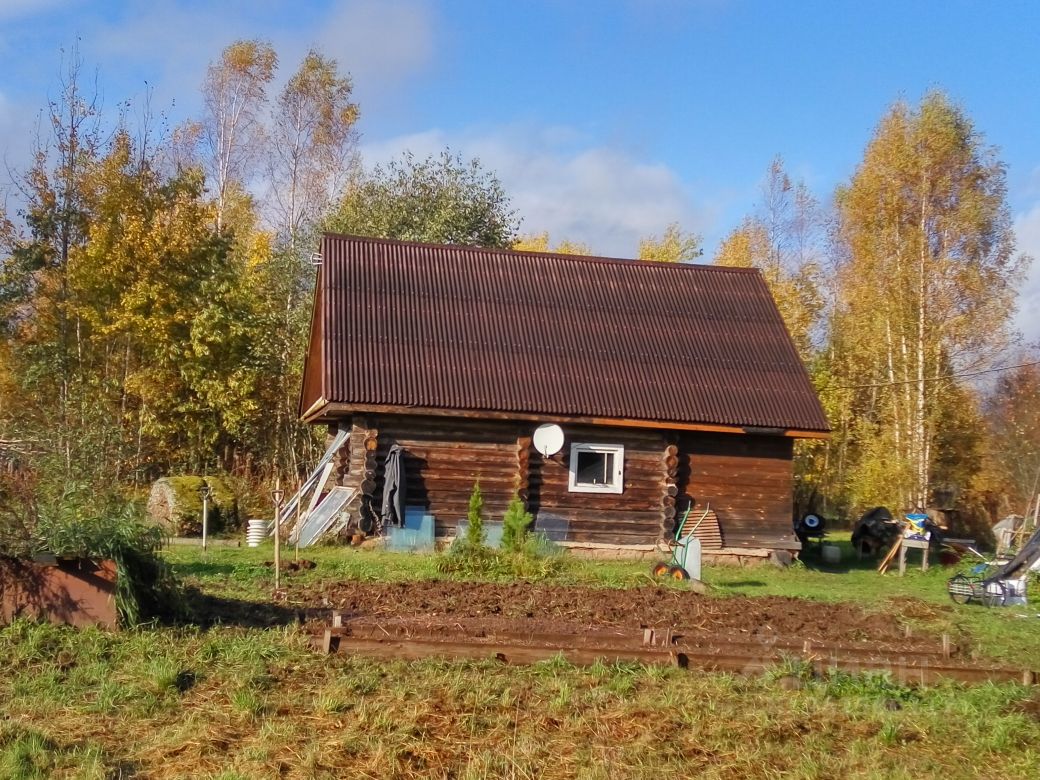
(393, 488)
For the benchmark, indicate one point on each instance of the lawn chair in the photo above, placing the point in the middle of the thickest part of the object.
(685, 547)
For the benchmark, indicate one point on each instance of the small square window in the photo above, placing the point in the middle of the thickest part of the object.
(597, 468)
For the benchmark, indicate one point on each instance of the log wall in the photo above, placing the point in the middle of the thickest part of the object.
(748, 481)
(443, 457)
(634, 516)
(746, 478)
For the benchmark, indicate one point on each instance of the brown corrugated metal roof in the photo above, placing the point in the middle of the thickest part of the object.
(465, 328)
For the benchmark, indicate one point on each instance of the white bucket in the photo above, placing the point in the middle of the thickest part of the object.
(256, 533)
(831, 554)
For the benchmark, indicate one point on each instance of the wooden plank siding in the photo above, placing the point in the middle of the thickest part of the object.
(749, 482)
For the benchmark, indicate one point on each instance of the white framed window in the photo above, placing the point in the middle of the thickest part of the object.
(596, 468)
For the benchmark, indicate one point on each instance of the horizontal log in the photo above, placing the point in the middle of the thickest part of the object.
(735, 467)
(449, 446)
(499, 471)
(578, 516)
(602, 501)
(633, 478)
(671, 450)
(742, 482)
(737, 471)
(560, 508)
(408, 422)
(750, 508)
(433, 438)
(756, 526)
(605, 537)
(605, 434)
(707, 444)
(671, 490)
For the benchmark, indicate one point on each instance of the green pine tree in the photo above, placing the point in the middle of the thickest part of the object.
(476, 537)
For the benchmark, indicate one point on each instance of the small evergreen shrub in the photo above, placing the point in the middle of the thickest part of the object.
(523, 555)
(516, 524)
(476, 536)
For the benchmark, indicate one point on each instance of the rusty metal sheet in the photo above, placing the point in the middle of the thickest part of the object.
(76, 592)
(403, 324)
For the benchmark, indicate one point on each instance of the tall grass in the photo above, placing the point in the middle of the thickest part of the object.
(259, 703)
(81, 523)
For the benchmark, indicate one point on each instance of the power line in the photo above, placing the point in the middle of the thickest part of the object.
(963, 375)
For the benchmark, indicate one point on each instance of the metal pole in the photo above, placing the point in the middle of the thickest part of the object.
(276, 494)
(207, 491)
(299, 506)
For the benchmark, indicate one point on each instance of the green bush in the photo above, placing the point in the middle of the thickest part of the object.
(84, 525)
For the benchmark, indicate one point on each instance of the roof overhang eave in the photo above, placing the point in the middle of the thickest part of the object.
(324, 411)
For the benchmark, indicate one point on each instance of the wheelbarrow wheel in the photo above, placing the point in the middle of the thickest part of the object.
(961, 589)
(678, 573)
(659, 569)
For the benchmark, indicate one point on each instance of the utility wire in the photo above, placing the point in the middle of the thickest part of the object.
(939, 378)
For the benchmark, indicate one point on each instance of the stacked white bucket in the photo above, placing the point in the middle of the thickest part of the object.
(256, 532)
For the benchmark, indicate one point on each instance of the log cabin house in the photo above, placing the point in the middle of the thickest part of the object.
(672, 383)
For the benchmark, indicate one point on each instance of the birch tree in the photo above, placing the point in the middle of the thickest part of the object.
(925, 288)
(35, 296)
(234, 94)
(312, 145)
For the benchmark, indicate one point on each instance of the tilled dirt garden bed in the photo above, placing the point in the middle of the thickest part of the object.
(553, 608)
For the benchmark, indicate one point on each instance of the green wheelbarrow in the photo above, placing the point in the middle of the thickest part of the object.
(685, 562)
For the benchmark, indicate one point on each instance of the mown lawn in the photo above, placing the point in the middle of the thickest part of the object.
(233, 702)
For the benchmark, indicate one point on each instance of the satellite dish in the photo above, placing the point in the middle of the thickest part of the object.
(548, 439)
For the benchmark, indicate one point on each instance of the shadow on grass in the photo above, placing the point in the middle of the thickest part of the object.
(205, 569)
(206, 610)
(851, 560)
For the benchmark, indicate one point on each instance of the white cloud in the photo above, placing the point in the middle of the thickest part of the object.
(379, 41)
(1027, 232)
(560, 183)
(381, 44)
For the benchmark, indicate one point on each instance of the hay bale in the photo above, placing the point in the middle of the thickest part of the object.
(175, 503)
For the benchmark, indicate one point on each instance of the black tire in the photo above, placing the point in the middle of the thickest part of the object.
(678, 573)
(659, 569)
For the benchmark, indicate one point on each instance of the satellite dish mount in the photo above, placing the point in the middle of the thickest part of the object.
(548, 439)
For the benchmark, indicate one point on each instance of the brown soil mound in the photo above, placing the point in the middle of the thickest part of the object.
(598, 607)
